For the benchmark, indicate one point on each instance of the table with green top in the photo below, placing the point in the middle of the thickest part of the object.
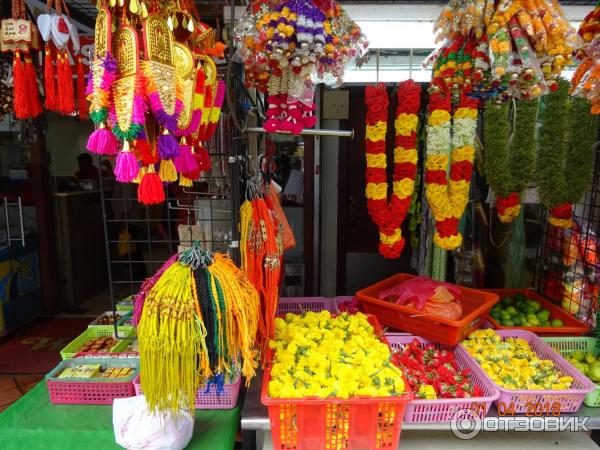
(34, 423)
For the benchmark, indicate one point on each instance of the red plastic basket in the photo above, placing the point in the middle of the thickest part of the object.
(526, 401)
(444, 410)
(572, 326)
(334, 423)
(95, 391)
(209, 398)
(476, 305)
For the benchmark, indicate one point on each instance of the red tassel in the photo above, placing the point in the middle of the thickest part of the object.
(151, 191)
(143, 152)
(83, 106)
(49, 80)
(64, 85)
(20, 103)
(31, 87)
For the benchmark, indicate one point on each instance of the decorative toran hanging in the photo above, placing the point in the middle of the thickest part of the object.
(389, 215)
(290, 45)
(477, 54)
(19, 36)
(509, 154)
(155, 112)
(564, 163)
(449, 164)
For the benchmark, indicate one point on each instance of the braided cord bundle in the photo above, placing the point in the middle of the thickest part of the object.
(198, 323)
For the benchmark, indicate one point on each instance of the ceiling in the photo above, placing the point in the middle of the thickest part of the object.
(84, 11)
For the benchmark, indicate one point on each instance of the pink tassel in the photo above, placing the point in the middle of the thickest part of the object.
(185, 161)
(126, 168)
(103, 142)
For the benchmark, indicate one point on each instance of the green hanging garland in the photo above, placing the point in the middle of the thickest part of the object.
(509, 160)
(565, 157)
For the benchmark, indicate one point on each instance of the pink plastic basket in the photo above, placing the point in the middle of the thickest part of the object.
(210, 399)
(444, 410)
(526, 401)
(90, 391)
(298, 305)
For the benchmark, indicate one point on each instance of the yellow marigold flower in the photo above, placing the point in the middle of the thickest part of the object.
(447, 243)
(436, 162)
(391, 239)
(376, 132)
(405, 124)
(438, 117)
(377, 161)
(404, 187)
(465, 113)
(376, 191)
(403, 155)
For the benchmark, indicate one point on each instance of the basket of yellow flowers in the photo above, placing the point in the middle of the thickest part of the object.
(330, 383)
(532, 378)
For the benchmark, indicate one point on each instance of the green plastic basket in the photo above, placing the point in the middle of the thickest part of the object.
(567, 345)
(125, 305)
(95, 332)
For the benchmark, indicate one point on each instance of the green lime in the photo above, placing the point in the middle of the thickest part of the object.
(495, 314)
(511, 310)
(531, 317)
(543, 315)
(556, 323)
(545, 324)
(508, 323)
(530, 310)
(535, 305)
(504, 315)
(519, 297)
(517, 321)
(534, 322)
(507, 301)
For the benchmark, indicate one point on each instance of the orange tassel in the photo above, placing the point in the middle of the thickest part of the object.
(31, 87)
(83, 106)
(49, 80)
(20, 103)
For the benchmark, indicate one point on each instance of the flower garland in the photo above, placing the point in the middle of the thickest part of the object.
(509, 160)
(448, 197)
(565, 157)
(389, 215)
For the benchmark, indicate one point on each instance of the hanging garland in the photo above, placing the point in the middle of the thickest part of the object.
(566, 153)
(509, 160)
(389, 215)
(448, 197)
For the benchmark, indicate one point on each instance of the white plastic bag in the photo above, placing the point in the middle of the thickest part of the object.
(136, 428)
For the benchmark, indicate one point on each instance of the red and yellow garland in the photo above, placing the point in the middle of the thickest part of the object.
(448, 197)
(389, 215)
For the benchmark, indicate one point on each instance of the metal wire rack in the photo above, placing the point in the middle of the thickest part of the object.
(568, 262)
(139, 239)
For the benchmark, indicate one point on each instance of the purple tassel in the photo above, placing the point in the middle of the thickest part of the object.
(169, 121)
(185, 162)
(103, 142)
(168, 147)
(126, 168)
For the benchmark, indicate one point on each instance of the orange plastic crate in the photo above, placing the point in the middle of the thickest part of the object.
(572, 326)
(475, 304)
(334, 423)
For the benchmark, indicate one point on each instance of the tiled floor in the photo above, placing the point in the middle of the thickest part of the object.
(13, 387)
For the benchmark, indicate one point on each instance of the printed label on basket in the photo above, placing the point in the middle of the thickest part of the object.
(467, 424)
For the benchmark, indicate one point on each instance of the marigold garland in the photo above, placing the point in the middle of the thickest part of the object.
(389, 215)
(565, 157)
(447, 191)
(509, 160)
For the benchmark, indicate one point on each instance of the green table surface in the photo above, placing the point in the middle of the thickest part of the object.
(34, 423)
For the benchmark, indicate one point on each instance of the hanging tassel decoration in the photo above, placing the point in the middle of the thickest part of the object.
(167, 171)
(64, 85)
(185, 161)
(20, 103)
(143, 152)
(168, 147)
(103, 142)
(31, 87)
(151, 191)
(49, 80)
(185, 182)
(81, 97)
(126, 168)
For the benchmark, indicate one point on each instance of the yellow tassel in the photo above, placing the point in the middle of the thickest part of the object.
(167, 172)
(185, 182)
